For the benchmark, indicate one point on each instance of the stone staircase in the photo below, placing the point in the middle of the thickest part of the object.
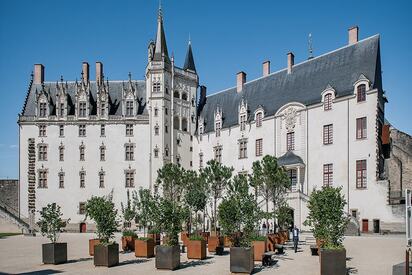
(8, 216)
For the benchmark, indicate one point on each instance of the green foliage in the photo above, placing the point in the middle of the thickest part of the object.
(171, 211)
(284, 216)
(326, 216)
(127, 233)
(51, 222)
(196, 238)
(239, 212)
(271, 182)
(102, 211)
(145, 206)
(145, 239)
(128, 212)
(217, 176)
(258, 238)
(154, 231)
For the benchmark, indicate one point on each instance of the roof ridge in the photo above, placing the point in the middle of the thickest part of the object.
(94, 81)
(303, 62)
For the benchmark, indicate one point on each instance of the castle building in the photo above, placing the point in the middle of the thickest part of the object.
(322, 119)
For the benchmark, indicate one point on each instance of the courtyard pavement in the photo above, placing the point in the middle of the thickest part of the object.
(371, 254)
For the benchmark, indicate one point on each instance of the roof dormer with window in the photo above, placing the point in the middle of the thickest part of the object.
(242, 115)
(61, 99)
(328, 95)
(129, 99)
(360, 87)
(82, 99)
(259, 114)
(43, 102)
(103, 100)
(218, 121)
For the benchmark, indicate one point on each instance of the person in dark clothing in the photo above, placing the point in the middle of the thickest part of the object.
(295, 232)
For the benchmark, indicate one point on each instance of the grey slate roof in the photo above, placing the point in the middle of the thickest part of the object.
(340, 69)
(115, 97)
(289, 158)
(189, 61)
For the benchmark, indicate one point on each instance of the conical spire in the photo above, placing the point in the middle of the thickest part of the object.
(161, 47)
(189, 61)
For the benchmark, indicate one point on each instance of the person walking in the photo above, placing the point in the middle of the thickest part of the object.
(295, 233)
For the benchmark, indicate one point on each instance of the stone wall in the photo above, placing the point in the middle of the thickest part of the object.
(9, 195)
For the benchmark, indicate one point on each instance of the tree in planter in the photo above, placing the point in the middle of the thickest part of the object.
(284, 217)
(272, 184)
(128, 212)
(50, 225)
(144, 204)
(217, 176)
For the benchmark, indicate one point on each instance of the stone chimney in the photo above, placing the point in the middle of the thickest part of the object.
(266, 68)
(353, 35)
(99, 72)
(85, 70)
(38, 74)
(241, 80)
(291, 61)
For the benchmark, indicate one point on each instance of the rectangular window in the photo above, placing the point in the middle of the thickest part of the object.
(361, 128)
(42, 155)
(102, 109)
(82, 208)
(61, 130)
(82, 130)
(242, 122)
(42, 178)
(82, 149)
(218, 126)
(292, 173)
(156, 153)
(156, 112)
(327, 104)
(61, 153)
(361, 174)
(61, 180)
(43, 109)
(61, 110)
(259, 148)
(166, 129)
(129, 179)
(290, 141)
(129, 130)
(156, 87)
(101, 180)
(82, 109)
(218, 153)
(102, 153)
(129, 108)
(328, 134)
(328, 174)
(242, 149)
(201, 160)
(361, 91)
(102, 130)
(42, 130)
(82, 179)
(129, 151)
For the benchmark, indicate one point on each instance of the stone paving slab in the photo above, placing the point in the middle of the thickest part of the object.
(367, 255)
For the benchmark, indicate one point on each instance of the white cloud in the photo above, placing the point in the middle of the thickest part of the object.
(13, 146)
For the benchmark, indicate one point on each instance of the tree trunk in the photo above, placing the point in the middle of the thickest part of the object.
(267, 212)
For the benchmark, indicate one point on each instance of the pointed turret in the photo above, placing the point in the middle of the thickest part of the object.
(189, 61)
(160, 47)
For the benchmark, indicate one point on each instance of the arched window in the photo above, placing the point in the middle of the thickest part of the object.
(156, 130)
(176, 94)
(258, 119)
(361, 92)
(184, 124)
(184, 96)
(327, 102)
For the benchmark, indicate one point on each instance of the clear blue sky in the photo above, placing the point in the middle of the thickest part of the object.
(227, 37)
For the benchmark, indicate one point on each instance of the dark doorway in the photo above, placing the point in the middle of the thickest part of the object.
(376, 226)
(365, 225)
(82, 227)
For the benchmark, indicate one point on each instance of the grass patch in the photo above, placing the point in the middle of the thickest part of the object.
(2, 235)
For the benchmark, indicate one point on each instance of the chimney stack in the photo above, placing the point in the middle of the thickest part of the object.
(202, 93)
(241, 80)
(85, 70)
(99, 72)
(291, 61)
(266, 68)
(353, 35)
(38, 73)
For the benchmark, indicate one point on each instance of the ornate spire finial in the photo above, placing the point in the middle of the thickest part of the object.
(32, 75)
(310, 46)
(160, 14)
(61, 78)
(190, 40)
(130, 76)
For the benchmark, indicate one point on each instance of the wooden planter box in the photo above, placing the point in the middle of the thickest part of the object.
(333, 261)
(144, 248)
(128, 243)
(155, 237)
(214, 242)
(241, 260)
(92, 243)
(106, 255)
(196, 249)
(167, 257)
(205, 236)
(54, 253)
(259, 248)
(184, 236)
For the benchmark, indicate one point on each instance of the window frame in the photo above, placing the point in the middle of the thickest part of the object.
(328, 174)
(361, 174)
(259, 147)
(290, 141)
(327, 102)
(361, 128)
(328, 134)
(361, 93)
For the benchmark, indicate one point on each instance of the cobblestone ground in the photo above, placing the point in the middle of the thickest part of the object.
(366, 255)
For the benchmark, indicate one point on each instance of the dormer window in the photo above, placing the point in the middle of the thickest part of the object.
(103, 109)
(361, 93)
(327, 102)
(82, 109)
(218, 127)
(61, 109)
(258, 119)
(242, 122)
(129, 108)
(42, 109)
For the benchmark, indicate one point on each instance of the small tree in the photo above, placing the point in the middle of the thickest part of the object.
(172, 212)
(217, 177)
(239, 213)
(196, 191)
(144, 203)
(284, 216)
(102, 211)
(326, 216)
(128, 212)
(51, 222)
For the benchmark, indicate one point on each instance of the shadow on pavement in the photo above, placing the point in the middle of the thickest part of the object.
(39, 272)
(79, 260)
(194, 263)
(134, 261)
